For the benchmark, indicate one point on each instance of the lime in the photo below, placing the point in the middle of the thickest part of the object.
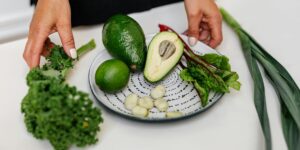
(112, 75)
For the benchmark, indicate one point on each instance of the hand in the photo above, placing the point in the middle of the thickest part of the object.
(50, 16)
(204, 22)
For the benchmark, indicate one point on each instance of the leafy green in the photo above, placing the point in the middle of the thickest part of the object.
(58, 59)
(206, 79)
(291, 131)
(210, 72)
(184, 75)
(202, 92)
(219, 61)
(287, 90)
(56, 111)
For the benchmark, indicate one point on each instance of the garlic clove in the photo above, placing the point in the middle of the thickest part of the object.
(131, 101)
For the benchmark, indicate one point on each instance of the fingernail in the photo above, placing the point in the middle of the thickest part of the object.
(192, 41)
(73, 53)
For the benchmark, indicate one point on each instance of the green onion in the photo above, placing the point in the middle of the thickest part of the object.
(287, 90)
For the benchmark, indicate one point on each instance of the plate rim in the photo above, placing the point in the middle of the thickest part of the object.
(139, 119)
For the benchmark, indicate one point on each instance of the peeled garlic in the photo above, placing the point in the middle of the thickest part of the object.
(158, 92)
(131, 101)
(146, 102)
(161, 104)
(173, 114)
(139, 111)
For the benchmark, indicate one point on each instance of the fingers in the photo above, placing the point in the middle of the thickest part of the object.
(66, 37)
(204, 36)
(193, 29)
(215, 25)
(47, 46)
(204, 32)
(34, 47)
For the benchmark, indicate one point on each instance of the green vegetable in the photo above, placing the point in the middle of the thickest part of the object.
(210, 72)
(124, 39)
(56, 111)
(287, 90)
(206, 79)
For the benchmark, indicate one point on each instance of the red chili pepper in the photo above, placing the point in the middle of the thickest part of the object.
(163, 27)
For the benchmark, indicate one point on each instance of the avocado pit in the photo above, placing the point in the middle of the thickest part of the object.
(166, 49)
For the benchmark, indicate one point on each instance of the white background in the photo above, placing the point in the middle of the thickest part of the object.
(8, 7)
(15, 17)
(232, 124)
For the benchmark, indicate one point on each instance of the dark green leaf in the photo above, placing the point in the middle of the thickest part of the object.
(288, 92)
(285, 86)
(55, 111)
(289, 126)
(203, 77)
(290, 129)
(203, 93)
(220, 61)
(232, 80)
(58, 59)
(259, 92)
(184, 75)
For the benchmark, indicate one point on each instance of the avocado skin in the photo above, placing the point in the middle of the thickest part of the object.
(123, 37)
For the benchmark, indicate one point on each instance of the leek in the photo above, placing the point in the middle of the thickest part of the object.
(287, 90)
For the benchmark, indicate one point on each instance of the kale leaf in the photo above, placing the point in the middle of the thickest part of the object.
(56, 111)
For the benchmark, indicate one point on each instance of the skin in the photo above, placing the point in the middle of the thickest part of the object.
(50, 16)
(204, 24)
(204, 21)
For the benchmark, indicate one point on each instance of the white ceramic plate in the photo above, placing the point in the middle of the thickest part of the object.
(180, 95)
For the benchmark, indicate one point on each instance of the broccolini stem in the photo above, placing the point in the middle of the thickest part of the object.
(80, 52)
(86, 47)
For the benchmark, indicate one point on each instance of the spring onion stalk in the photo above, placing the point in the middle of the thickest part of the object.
(287, 90)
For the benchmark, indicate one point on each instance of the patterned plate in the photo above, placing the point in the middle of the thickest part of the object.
(180, 95)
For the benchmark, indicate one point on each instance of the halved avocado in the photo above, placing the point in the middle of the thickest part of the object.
(164, 51)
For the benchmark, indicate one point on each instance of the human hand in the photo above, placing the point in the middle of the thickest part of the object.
(50, 16)
(204, 22)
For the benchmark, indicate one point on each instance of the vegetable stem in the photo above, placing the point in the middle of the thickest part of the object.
(188, 51)
(190, 55)
(80, 52)
(86, 47)
(204, 71)
(287, 90)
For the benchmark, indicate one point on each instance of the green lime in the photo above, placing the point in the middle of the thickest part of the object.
(112, 75)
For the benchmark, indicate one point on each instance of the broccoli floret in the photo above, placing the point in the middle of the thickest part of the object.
(55, 111)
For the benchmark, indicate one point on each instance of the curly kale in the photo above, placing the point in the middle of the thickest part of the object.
(58, 59)
(56, 111)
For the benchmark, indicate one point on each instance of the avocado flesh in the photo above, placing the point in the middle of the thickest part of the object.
(124, 39)
(158, 66)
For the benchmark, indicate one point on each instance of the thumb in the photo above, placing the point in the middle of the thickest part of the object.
(194, 27)
(67, 39)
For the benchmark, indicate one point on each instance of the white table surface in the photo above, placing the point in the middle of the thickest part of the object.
(232, 124)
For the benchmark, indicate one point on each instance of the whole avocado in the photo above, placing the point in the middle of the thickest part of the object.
(124, 39)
